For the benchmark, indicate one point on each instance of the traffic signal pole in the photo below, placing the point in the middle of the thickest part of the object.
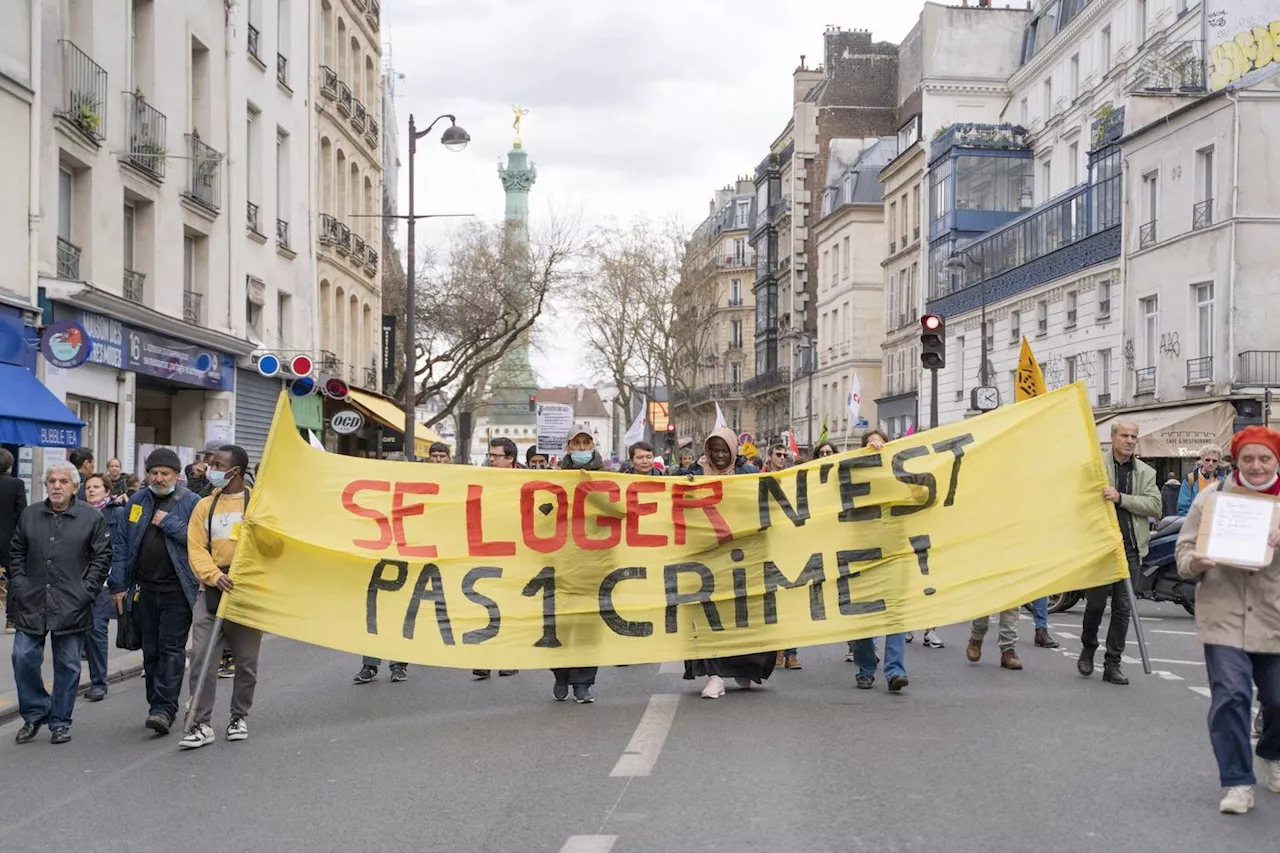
(933, 357)
(933, 398)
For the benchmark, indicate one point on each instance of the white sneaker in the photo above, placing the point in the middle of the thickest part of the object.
(1271, 772)
(200, 735)
(932, 640)
(1238, 799)
(237, 729)
(849, 658)
(744, 683)
(714, 688)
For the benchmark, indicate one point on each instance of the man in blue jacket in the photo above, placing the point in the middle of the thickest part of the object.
(151, 576)
(1208, 470)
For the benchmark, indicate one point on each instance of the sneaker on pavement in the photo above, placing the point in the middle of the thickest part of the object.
(237, 729)
(714, 688)
(1237, 799)
(365, 675)
(560, 691)
(60, 734)
(974, 650)
(911, 636)
(479, 674)
(849, 658)
(201, 734)
(1271, 773)
(159, 722)
(897, 683)
(399, 673)
(227, 667)
(503, 673)
(96, 694)
(582, 694)
(1009, 660)
(791, 662)
(864, 682)
(932, 640)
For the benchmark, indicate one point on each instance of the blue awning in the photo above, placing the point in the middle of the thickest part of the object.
(30, 415)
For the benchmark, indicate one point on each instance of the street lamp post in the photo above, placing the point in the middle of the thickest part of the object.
(959, 263)
(455, 139)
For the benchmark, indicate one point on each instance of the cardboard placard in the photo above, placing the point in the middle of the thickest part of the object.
(1234, 529)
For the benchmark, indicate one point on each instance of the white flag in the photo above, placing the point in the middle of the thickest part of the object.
(855, 401)
(315, 442)
(639, 426)
(720, 421)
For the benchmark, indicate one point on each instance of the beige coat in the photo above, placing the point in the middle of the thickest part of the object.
(1234, 607)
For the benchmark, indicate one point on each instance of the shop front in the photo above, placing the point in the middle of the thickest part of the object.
(1170, 437)
(383, 421)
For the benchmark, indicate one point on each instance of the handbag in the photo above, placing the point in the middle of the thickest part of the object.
(128, 631)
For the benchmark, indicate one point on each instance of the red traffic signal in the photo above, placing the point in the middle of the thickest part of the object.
(933, 347)
(533, 403)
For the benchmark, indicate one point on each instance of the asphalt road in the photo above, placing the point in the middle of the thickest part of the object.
(970, 758)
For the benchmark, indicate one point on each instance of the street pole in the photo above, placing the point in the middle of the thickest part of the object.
(933, 398)
(410, 309)
(982, 370)
(813, 364)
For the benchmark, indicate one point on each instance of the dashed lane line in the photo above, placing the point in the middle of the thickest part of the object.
(589, 844)
(642, 752)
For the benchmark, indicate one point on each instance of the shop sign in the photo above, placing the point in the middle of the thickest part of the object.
(165, 358)
(346, 422)
(65, 344)
(107, 335)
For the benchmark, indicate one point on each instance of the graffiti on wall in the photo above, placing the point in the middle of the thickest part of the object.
(1244, 36)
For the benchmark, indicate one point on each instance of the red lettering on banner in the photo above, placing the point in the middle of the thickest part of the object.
(636, 510)
(349, 504)
(399, 511)
(532, 541)
(681, 501)
(476, 546)
(612, 526)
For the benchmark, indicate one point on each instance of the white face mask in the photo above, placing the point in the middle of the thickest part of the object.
(161, 491)
(217, 479)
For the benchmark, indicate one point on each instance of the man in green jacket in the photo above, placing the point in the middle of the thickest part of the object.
(1132, 488)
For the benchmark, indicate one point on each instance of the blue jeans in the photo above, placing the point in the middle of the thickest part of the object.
(1232, 674)
(1040, 612)
(895, 653)
(34, 702)
(104, 610)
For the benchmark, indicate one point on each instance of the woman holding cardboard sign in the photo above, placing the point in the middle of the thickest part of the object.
(1238, 610)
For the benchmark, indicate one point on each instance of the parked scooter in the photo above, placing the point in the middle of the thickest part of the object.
(1158, 577)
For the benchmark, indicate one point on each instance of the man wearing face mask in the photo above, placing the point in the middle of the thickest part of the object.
(580, 679)
(151, 577)
(534, 460)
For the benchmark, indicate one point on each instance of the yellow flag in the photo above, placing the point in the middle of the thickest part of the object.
(1028, 382)
(470, 567)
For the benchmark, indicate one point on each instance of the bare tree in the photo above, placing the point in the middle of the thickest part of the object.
(473, 307)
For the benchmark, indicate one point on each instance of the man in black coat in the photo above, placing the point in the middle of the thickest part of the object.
(13, 500)
(59, 558)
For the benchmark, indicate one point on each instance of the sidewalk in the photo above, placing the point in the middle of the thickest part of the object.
(120, 665)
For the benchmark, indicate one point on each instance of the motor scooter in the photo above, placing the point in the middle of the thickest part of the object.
(1158, 578)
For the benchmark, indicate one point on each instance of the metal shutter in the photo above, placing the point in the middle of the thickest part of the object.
(256, 397)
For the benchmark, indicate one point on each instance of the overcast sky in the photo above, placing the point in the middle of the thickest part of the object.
(636, 109)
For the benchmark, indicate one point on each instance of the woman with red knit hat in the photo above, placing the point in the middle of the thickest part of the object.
(1238, 620)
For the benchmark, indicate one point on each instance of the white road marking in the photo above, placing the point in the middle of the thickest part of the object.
(642, 752)
(1068, 636)
(1166, 675)
(1203, 691)
(589, 844)
(1179, 633)
(671, 667)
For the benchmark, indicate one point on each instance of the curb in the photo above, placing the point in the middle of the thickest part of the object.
(125, 667)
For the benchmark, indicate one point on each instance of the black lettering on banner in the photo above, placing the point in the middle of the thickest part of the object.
(430, 587)
(469, 581)
(921, 545)
(545, 581)
(912, 479)
(956, 446)
(824, 471)
(379, 583)
(609, 613)
(740, 619)
(703, 595)
(775, 579)
(771, 488)
(850, 490)
(848, 607)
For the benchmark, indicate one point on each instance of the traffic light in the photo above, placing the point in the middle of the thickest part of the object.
(533, 403)
(671, 433)
(933, 342)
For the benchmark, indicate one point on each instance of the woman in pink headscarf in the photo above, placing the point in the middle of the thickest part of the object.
(720, 459)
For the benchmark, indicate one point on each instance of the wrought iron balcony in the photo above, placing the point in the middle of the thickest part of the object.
(358, 116)
(253, 42)
(342, 239)
(135, 284)
(357, 250)
(373, 14)
(371, 261)
(282, 234)
(768, 381)
(1172, 67)
(1258, 369)
(204, 173)
(146, 137)
(1104, 400)
(370, 379)
(1200, 371)
(1202, 215)
(329, 362)
(735, 301)
(251, 218)
(68, 260)
(328, 229)
(84, 91)
(371, 132)
(282, 70)
(1147, 234)
(726, 390)
(328, 82)
(344, 98)
(192, 307)
(1144, 381)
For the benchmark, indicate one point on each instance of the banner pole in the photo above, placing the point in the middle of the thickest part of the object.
(1137, 625)
(204, 671)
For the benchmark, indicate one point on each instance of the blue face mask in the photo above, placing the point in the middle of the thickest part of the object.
(217, 479)
(161, 492)
(581, 457)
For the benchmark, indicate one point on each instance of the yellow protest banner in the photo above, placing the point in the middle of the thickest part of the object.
(1028, 381)
(476, 567)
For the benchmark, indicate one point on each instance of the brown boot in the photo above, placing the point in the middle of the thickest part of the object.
(792, 662)
(974, 650)
(1043, 640)
(1009, 659)
(781, 661)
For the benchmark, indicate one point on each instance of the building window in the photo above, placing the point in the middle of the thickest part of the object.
(1104, 377)
(742, 214)
(844, 259)
(1203, 295)
(284, 318)
(1075, 77)
(915, 212)
(1073, 163)
(735, 333)
(1048, 98)
(1141, 23)
(1072, 299)
(1015, 326)
(253, 316)
(1071, 369)
(1149, 310)
(893, 225)
(735, 291)
(990, 337)
(1042, 318)
(1150, 201)
(835, 263)
(1105, 50)
(1104, 300)
(1202, 213)
(1024, 112)
(735, 373)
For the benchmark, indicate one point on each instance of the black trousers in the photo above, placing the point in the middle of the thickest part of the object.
(1118, 630)
(165, 620)
(574, 675)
